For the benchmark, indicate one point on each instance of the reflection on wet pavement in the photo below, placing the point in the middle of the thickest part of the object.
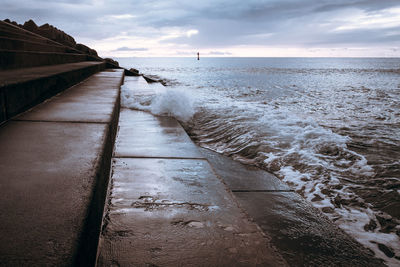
(166, 207)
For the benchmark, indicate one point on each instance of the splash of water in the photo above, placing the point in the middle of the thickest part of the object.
(175, 102)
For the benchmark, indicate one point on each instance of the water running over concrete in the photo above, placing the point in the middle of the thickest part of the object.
(166, 207)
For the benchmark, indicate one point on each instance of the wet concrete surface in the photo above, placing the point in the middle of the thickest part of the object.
(240, 177)
(52, 174)
(144, 135)
(47, 175)
(92, 100)
(166, 206)
(300, 232)
(22, 89)
(176, 212)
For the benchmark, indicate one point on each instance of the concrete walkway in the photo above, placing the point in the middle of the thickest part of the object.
(166, 206)
(54, 166)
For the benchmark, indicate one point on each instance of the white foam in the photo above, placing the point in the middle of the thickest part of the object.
(303, 139)
(352, 220)
(169, 101)
(173, 102)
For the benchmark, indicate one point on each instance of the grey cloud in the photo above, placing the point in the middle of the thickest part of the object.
(358, 37)
(273, 12)
(367, 5)
(221, 23)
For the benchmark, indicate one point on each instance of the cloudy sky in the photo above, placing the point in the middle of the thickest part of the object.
(221, 27)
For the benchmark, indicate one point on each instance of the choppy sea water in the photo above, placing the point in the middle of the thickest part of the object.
(329, 127)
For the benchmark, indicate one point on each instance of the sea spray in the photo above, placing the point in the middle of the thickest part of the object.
(175, 102)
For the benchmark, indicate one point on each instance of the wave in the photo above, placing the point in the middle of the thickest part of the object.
(168, 101)
(314, 160)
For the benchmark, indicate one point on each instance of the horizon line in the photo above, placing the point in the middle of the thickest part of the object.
(195, 56)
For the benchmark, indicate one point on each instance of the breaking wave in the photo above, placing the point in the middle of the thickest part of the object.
(167, 101)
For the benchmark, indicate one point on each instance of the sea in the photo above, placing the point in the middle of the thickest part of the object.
(328, 127)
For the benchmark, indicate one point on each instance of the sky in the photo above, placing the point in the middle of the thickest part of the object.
(234, 28)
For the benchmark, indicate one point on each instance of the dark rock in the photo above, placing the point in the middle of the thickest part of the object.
(385, 249)
(93, 52)
(383, 219)
(55, 34)
(327, 210)
(52, 33)
(387, 222)
(326, 192)
(338, 186)
(134, 70)
(329, 150)
(30, 25)
(316, 198)
(83, 48)
(131, 72)
(163, 82)
(370, 226)
(338, 201)
(149, 80)
(46, 30)
(112, 61)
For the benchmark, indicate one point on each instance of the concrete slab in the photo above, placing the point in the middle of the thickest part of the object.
(144, 135)
(25, 88)
(8, 77)
(48, 173)
(176, 212)
(93, 100)
(12, 33)
(240, 177)
(8, 43)
(303, 235)
(110, 73)
(14, 59)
